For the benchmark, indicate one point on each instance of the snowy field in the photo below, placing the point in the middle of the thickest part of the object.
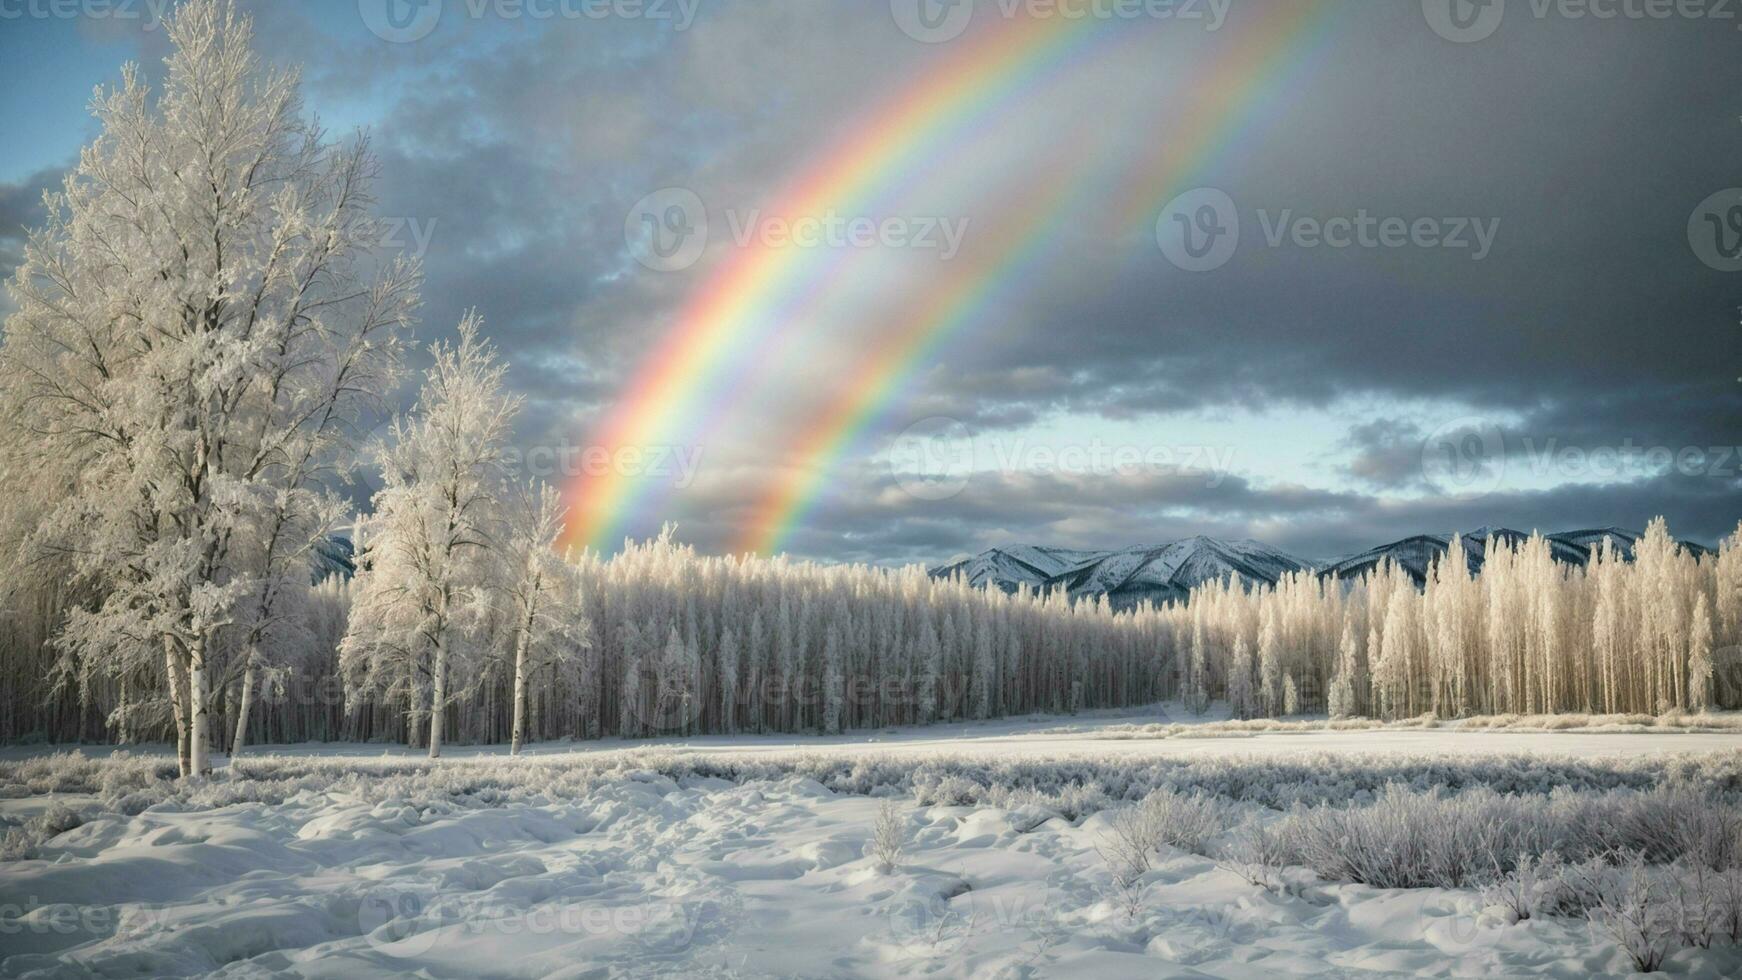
(749, 856)
(1155, 731)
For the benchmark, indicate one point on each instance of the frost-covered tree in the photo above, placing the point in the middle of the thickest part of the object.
(1270, 663)
(1241, 699)
(677, 692)
(197, 330)
(542, 593)
(1700, 657)
(1342, 694)
(834, 679)
(417, 632)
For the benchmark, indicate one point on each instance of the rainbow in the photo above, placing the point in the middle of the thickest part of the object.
(1220, 107)
(721, 326)
(737, 313)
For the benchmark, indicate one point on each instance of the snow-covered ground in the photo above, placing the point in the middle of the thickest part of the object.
(747, 857)
(1160, 731)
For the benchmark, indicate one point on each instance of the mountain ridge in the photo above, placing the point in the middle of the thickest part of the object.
(1161, 573)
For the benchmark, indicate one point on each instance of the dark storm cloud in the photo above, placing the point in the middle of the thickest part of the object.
(1590, 320)
(519, 147)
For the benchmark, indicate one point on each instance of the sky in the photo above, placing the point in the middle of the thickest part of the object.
(1320, 274)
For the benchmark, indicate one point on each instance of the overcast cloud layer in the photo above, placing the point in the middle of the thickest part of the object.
(1572, 363)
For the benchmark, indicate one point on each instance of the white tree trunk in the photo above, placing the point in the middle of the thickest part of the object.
(199, 733)
(519, 733)
(438, 701)
(242, 709)
(176, 699)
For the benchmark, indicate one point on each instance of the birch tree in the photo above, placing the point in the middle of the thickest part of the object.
(197, 330)
(550, 628)
(417, 628)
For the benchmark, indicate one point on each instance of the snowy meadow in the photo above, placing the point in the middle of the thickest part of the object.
(1051, 861)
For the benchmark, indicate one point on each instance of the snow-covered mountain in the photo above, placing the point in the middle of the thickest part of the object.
(1126, 577)
(1015, 566)
(1171, 571)
(1415, 554)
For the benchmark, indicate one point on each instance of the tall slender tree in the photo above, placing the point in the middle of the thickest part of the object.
(436, 539)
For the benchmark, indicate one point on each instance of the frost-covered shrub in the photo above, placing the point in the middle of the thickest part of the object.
(1127, 848)
(1187, 822)
(1256, 853)
(56, 820)
(1530, 888)
(1633, 909)
(20, 841)
(1408, 838)
(1072, 788)
(888, 837)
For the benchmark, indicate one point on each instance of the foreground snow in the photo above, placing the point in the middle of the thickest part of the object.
(743, 858)
(651, 877)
